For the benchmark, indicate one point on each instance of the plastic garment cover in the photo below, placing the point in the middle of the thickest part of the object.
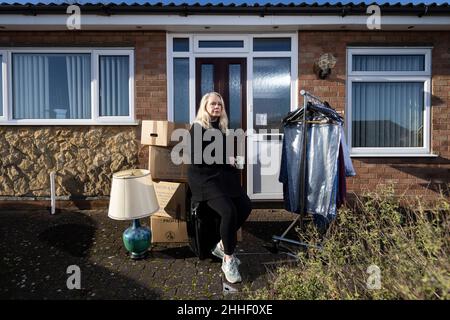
(321, 168)
(290, 165)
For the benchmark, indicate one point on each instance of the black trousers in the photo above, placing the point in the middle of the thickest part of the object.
(233, 212)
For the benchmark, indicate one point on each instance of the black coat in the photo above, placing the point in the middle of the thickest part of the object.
(209, 181)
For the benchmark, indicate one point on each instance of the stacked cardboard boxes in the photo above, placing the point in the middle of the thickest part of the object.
(169, 179)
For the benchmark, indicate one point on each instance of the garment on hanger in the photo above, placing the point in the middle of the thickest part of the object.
(317, 111)
(327, 162)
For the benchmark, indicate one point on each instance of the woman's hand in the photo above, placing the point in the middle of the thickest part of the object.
(232, 161)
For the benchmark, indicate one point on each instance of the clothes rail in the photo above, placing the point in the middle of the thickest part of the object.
(277, 240)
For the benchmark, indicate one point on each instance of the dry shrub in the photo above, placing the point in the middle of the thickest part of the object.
(408, 243)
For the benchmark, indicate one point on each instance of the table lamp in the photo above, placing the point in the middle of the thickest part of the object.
(132, 198)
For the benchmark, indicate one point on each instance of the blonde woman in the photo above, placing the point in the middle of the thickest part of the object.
(218, 183)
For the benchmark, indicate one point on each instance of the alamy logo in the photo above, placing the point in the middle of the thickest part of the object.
(73, 22)
(374, 21)
(374, 280)
(266, 157)
(74, 280)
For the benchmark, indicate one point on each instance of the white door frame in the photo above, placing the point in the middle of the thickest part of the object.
(245, 52)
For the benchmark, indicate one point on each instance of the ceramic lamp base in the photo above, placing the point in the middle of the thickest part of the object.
(137, 240)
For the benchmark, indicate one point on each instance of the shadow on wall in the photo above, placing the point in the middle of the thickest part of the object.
(37, 248)
(437, 101)
(438, 178)
(435, 171)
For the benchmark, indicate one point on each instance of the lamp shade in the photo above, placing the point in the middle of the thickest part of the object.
(132, 195)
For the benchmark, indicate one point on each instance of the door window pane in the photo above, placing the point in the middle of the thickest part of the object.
(389, 62)
(235, 103)
(114, 89)
(181, 90)
(49, 86)
(207, 81)
(181, 44)
(271, 92)
(272, 44)
(387, 114)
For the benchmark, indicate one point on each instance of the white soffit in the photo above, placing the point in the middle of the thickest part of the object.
(227, 23)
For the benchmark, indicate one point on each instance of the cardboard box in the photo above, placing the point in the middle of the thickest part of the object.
(162, 167)
(171, 198)
(158, 132)
(168, 230)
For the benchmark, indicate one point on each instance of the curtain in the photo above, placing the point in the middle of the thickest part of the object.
(30, 86)
(389, 62)
(114, 89)
(79, 86)
(387, 114)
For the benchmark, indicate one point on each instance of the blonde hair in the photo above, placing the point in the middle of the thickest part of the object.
(203, 117)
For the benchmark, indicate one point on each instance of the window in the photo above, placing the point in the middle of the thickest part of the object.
(272, 44)
(1, 84)
(271, 87)
(51, 86)
(181, 87)
(389, 101)
(388, 62)
(69, 86)
(114, 93)
(221, 44)
(181, 44)
(272, 59)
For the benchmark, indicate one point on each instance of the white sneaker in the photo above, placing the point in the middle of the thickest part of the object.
(230, 269)
(219, 253)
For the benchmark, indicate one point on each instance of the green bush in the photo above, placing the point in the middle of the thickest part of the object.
(407, 242)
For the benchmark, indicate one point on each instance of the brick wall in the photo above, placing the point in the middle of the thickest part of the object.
(416, 176)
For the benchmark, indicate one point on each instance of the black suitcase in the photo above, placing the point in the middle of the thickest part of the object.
(203, 228)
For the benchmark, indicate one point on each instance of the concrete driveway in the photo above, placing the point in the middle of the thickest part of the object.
(37, 248)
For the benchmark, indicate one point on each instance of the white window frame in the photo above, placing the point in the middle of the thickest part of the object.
(96, 111)
(4, 78)
(249, 54)
(95, 118)
(391, 76)
(213, 53)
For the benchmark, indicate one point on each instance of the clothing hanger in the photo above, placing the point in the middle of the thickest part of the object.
(316, 114)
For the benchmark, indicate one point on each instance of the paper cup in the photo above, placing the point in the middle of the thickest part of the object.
(240, 161)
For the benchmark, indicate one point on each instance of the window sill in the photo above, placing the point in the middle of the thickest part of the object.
(393, 155)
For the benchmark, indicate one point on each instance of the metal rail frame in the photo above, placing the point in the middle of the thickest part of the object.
(278, 239)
